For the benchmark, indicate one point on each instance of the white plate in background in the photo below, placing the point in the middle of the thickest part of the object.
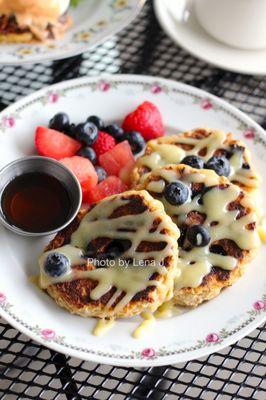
(184, 29)
(93, 22)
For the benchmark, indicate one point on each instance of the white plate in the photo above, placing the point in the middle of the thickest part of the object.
(210, 327)
(94, 22)
(192, 37)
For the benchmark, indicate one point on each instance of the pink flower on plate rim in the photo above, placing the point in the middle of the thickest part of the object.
(212, 338)
(249, 133)
(156, 89)
(9, 122)
(149, 352)
(53, 97)
(48, 333)
(104, 86)
(206, 104)
(2, 297)
(259, 305)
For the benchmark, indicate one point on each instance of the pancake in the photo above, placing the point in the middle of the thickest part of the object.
(222, 212)
(131, 227)
(205, 143)
(11, 32)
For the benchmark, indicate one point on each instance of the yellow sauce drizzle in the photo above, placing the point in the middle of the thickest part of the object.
(145, 326)
(161, 154)
(197, 263)
(102, 326)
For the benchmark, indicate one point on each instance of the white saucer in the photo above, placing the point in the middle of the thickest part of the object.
(192, 37)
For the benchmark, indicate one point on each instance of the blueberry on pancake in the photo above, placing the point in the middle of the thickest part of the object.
(200, 148)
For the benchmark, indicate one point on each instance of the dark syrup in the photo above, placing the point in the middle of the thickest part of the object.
(36, 202)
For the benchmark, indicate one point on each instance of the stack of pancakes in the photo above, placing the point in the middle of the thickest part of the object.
(188, 271)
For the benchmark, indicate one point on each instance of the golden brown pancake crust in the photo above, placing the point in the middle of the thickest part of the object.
(11, 32)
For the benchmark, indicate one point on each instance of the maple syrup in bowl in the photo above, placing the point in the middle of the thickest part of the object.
(38, 196)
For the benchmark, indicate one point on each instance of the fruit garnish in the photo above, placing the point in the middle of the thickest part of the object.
(176, 193)
(102, 174)
(125, 172)
(89, 153)
(219, 164)
(96, 121)
(116, 131)
(135, 140)
(198, 235)
(117, 158)
(146, 119)
(55, 144)
(87, 133)
(109, 186)
(105, 142)
(84, 171)
(193, 161)
(59, 122)
(56, 264)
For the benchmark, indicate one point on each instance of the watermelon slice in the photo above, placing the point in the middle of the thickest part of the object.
(55, 144)
(116, 159)
(84, 171)
(109, 186)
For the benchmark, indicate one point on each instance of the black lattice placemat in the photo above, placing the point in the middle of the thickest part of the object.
(30, 371)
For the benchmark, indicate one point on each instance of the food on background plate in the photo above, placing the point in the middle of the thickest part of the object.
(218, 226)
(26, 21)
(116, 260)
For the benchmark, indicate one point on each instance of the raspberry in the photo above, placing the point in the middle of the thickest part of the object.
(146, 119)
(104, 143)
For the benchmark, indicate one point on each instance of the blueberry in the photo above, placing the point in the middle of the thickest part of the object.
(102, 174)
(136, 141)
(96, 121)
(70, 131)
(56, 264)
(176, 193)
(59, 122)
(219, 164)
(86, 133)
(115, 131)
(193, 161)
(198, 235)
(89, 153)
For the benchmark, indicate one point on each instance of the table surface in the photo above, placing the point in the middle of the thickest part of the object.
(30, 371)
